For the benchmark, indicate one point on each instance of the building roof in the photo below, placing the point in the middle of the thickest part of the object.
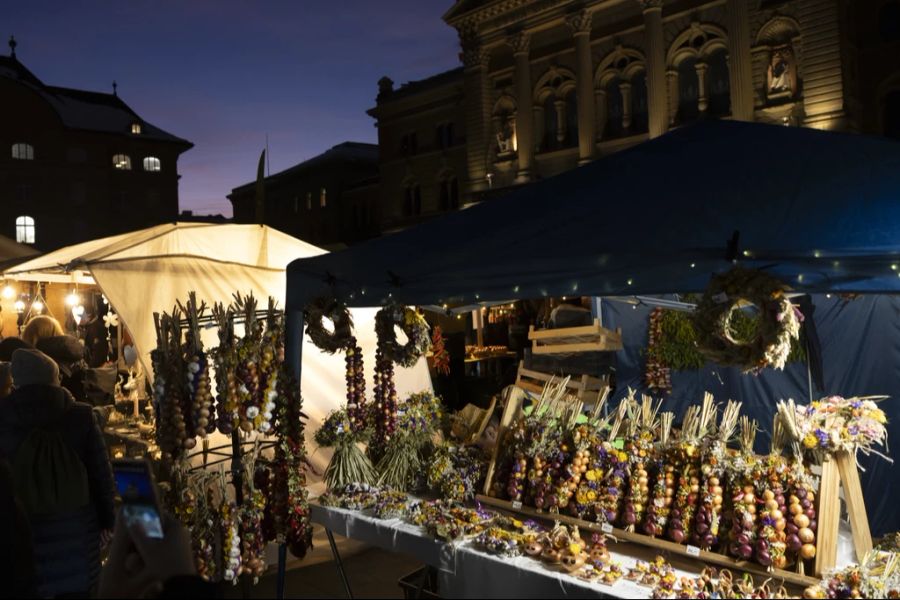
(414, 87)
(85, 110)
(346, 153)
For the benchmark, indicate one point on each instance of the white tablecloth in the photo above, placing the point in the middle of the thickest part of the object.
(467, 572)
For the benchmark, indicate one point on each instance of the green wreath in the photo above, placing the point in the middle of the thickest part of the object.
(778, 321)
(329, 341)
(412, 324)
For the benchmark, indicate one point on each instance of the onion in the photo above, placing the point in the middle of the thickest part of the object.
(745, 551)
(677, 536)
(793, 542)
(764, 558)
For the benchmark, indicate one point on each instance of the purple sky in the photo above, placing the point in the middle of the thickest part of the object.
(224, 73)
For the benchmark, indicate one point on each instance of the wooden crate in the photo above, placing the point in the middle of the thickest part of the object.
(567, 340)
(584, 388)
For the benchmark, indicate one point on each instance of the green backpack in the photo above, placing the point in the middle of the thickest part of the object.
(49, 476)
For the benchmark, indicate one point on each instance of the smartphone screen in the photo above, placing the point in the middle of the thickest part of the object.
(134, 482)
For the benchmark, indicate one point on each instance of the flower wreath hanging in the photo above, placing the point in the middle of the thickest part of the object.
(412, 324)
(337, 312)
(778, 321)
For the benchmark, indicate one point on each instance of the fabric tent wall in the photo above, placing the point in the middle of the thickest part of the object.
(860, 355)
(138, 288)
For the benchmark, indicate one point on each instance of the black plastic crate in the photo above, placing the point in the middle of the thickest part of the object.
(410, 583)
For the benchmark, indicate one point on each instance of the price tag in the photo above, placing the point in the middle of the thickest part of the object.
(606, 528)
(693, 551)
(618, 443)
(516, 505)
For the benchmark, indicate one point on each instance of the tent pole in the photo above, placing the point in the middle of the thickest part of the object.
(293, 355)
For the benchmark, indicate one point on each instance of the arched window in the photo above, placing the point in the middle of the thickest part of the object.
(688, 90)
(22, 151)
(550, 124)
(323, 198)
(719, 83)
(412, 200)
(152, 164)
(449, 193)
(889, 21)
(614, 109)
(639, 117)
(571, 138)
(891, 115)
(123, 162)
(25, 230)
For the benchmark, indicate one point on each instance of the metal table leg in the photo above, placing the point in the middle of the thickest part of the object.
(339, 563)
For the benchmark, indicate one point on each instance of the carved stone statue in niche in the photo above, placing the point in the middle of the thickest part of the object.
(504, 127)
(782, 73)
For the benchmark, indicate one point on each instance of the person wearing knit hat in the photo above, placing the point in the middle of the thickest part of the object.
(33, 367)
(62, 474)
(8, 345)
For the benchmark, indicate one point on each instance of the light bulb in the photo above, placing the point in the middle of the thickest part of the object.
(20, 306)
(37, 306)
(77, 313)
(8, 291)
(73, 299)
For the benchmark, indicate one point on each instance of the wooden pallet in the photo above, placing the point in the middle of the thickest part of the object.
(568, 340)
(584, 388)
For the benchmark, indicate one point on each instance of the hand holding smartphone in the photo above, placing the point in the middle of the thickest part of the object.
(140, 503)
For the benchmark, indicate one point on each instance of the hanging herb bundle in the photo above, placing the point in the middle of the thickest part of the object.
(800, 529)
(249, 351)
(384, 406)
(685, 457)
(771, 538)
(588, 490)
(419, 419)
(173, 407)
(715, 454)
(196, 363)
(253, 542)
(356, 386)
(657, 373)
(743, 494)
(544, 446)
(225, 362)
(639, 447)
(271, 357)
(615, 460)
(575, 446)
(663, 491)
(439, 352)
(348, 464)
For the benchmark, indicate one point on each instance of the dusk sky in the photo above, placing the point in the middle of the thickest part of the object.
(224, 73)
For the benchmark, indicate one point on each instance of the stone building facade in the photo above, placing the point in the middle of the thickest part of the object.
(77, 165)
(547, 85)
(330, 200)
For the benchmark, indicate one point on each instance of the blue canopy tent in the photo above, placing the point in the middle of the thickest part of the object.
(820, 210)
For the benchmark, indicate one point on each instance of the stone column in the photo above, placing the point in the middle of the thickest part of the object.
(478, 109)
(625, 87)
(740, 69)
(520, 43)
(702, 84)
(580, 24)
(672, 80)
(656, 67)
(600, 101)
(560, 105)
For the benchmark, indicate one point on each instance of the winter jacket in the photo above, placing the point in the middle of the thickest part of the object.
(66, 546)
(16, 554)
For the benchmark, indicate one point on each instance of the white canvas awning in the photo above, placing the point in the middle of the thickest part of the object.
(147, 271)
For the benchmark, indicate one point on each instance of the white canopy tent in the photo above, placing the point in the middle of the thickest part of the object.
(147, 271)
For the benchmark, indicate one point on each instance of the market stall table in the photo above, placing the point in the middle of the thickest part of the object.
(464, 571)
